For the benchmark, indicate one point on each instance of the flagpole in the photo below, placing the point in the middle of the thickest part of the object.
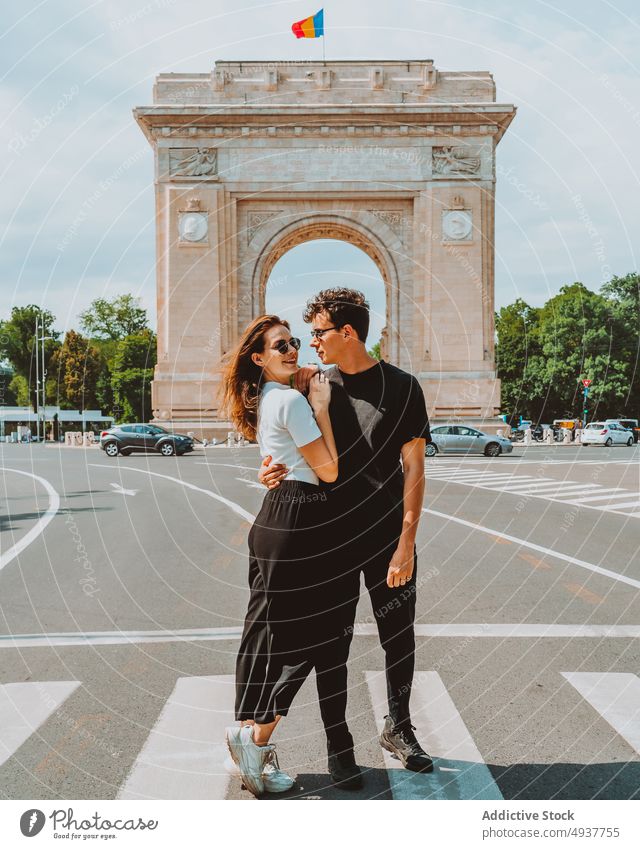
(323, 38)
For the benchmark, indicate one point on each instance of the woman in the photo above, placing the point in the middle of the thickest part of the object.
(285, 621)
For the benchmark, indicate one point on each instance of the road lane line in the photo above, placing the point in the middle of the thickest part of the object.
(40, 525)
(616, 697)
(583, 564)
(249, 517)
(502, 630)
(183, 756)
(459, 769)
(24, 707)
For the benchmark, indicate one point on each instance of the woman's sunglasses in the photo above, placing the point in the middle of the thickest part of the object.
(282, 345)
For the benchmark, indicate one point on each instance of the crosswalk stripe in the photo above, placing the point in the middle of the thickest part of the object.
(604, 495)
(459, 769)
(481, 476)
(625, 504)
(24, 707)
(184, 754)
(560, 492)
(616, 697)
(533, 487)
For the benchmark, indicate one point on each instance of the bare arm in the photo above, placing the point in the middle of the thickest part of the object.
(401, 565)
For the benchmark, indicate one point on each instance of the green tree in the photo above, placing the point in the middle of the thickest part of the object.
(578, 334)
(19, 391)
(624, 296)
(7, 391)
(517, 343)
(132, 374)
(77, 365)
(18, 346)
(114, 319)
(375, 351)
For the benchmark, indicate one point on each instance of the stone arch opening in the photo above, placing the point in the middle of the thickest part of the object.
(320, 264)
(337, 228)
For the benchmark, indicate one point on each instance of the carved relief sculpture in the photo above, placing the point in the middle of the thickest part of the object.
(454, 160)
(193, 162)
(456, 224)
(193, 226)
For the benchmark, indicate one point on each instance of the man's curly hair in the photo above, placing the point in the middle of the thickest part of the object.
(343, 306)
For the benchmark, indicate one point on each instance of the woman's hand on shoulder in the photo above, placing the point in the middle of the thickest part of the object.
(302, 378)
(319, 392)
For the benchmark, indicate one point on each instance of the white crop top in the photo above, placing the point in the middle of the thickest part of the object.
(286, 422)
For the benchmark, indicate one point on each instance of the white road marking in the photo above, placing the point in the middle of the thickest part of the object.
(24, 707)
(602, 497)
(459, 769)
(540, 487)
(616, 697)
(626, 504)
(255, 469)
(573, 491)
(251, 484)
(550, 489)
(616, 576)
(249, 517)
(183, 756)
(502, 630)
(121, 491)
(40, 525)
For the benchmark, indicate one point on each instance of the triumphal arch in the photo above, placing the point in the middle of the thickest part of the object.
(397, 158)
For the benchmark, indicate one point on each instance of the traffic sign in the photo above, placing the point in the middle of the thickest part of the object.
(586, 382)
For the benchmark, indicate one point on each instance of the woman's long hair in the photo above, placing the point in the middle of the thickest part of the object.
(243, 378)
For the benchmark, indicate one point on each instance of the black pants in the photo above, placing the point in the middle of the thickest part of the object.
(294, 620)
(343, 554)
(394, 608)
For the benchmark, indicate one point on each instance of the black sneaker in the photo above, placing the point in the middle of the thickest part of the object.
(403, 745)
(344, 770)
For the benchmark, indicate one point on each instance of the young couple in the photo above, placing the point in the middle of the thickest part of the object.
(343, 465)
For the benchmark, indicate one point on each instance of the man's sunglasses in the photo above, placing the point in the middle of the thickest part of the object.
(282, 345)
(318, 334)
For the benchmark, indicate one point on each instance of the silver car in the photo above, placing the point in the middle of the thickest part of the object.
(459, 439)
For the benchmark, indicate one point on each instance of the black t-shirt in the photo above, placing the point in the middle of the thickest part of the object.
(373, 414)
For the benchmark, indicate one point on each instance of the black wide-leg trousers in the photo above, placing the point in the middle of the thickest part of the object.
(294, 620)
(297, 621)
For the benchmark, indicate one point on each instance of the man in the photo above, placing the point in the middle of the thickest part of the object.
(379, 417)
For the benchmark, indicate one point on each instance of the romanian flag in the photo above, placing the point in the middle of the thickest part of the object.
(312, 27)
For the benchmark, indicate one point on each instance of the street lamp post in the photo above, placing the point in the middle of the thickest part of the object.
(44, 385)
(37, 384)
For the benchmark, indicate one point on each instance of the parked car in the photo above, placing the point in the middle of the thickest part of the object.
(459, 439)
(123, 439)
(630, 424)
(606, 433)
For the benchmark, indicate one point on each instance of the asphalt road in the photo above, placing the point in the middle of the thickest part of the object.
(123, 591)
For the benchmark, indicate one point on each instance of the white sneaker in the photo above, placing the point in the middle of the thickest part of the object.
(248, 756)
(275, 780)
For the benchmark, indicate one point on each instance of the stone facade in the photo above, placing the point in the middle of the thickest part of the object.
(397, 158)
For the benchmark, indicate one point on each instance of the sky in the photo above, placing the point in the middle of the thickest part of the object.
(76, 199)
